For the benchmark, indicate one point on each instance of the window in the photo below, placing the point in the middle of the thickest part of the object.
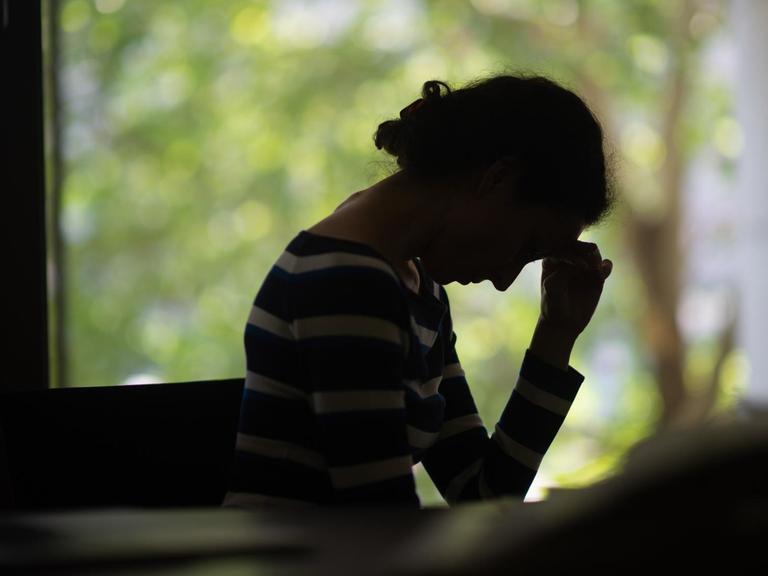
(22, 176)
(189, 141)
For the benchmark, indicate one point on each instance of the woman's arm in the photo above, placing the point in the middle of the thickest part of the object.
(551, 346)
(465, 463)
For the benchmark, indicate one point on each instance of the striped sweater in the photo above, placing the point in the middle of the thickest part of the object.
(352, 378)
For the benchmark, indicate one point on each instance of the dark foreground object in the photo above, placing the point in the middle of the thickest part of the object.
(128, 481)
(143, 445)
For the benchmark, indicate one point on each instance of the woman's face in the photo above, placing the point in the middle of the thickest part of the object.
(493, 240)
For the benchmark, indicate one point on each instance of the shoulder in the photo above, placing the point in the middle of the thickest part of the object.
(336, 279)
(311, 257)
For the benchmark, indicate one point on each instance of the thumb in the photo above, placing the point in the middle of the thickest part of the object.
(557, 279)
(548, 265)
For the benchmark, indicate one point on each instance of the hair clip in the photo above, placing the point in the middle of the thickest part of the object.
(411, 108)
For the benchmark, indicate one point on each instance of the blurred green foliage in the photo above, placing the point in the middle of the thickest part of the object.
(199, 137)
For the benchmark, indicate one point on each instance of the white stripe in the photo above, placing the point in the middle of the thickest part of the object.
(247, 499)
(453, 370)
(522, 454)
(346, 401)
(421, 438)
(261, 383)
(424, 389)
(542, 398)
(279, 449)
(457, 484)
(348, 325)
(460, 424)
(299, 264)
(359, 474)
(426, 336)
(269, 322)
(435, 290)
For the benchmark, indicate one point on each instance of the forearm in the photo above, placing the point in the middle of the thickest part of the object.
(552, 346)
(467, 465)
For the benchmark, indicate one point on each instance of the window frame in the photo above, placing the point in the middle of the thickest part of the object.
(22, 174)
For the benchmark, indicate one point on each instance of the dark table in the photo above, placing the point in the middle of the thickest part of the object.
(696, 499)
(269, 541)
(572, 530)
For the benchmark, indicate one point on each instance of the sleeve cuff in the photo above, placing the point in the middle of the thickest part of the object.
(551, 378)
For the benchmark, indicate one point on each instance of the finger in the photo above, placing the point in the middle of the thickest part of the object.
(557, 281)
(577, 262)
(590, 255)
(549, 265)
(606, 267)
(596, 277)
(578, 253)
(562, 258)
(593, 255)
(589, 279)
(551, 262)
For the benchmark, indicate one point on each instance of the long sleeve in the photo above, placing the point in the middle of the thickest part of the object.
(465, 464)
(351, 331)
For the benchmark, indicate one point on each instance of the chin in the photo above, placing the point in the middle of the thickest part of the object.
(501, 284)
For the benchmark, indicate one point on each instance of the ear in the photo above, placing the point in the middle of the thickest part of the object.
(501, 172)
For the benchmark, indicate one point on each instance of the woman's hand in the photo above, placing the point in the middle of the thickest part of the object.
(571, 285)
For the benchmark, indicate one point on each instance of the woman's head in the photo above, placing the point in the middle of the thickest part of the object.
(532, 153)
(545, 129)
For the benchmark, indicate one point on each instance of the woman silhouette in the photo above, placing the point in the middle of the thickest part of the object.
(352, 372)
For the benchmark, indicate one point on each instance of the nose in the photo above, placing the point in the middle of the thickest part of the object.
(507, 274)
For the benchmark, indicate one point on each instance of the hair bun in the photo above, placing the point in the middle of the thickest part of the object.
(411, 108)
(389, 137)
(432, 88)
(394, 136)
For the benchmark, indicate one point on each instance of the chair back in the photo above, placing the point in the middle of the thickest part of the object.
(136, 445)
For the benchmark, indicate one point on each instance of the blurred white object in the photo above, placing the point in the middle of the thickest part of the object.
(750, 21)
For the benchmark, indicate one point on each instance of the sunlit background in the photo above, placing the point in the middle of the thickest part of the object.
(191, 140)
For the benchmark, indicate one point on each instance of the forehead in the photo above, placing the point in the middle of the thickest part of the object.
(555, 227)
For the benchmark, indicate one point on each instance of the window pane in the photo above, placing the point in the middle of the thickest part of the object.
(196, 141)
(198, 137)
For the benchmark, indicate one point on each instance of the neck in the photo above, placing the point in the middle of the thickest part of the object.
(401, 215)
